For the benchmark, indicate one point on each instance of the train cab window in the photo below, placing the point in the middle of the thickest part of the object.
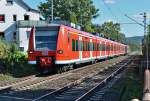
(77, 45)
(73, 45)
(46, 38)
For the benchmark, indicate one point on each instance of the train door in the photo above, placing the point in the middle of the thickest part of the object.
(80, 47)
(105, 49)
(91, 48)
(100, 50)
(109, 49)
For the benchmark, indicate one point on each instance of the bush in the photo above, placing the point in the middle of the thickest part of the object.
(13, 61)
(4, 49)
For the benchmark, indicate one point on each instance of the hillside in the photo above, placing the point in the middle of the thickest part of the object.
(135, 43)
(135, 40)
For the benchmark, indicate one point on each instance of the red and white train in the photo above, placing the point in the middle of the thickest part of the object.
(57, 45)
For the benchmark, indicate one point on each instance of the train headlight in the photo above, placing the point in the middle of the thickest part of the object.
(60, 52)
(30, 52)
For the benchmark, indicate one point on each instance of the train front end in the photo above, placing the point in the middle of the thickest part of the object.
(42, 47)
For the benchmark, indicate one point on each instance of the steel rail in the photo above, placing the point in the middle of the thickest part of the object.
(79, 81)
(94, 89)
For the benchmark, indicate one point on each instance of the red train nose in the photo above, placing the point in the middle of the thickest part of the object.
(49, 60)
(45, 61)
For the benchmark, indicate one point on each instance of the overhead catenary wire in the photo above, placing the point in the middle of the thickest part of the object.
(134, 20)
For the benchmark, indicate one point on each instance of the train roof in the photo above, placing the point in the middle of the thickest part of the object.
(90, 35)
(57, 26)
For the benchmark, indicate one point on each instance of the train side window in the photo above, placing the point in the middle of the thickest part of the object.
(87, 49)
(68, 37)
(84, 45)
(104, 47)
(100, 47)
(93, 46)
(97, 47)
(112, 47)
(81, 45)
(108, 48)
(88, 46)
(73, 45)
(77, 45)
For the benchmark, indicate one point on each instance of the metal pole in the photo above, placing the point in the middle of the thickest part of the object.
(52, 8)
(145, 34)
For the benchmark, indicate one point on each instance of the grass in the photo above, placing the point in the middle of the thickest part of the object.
(130, 87)
(5, 77)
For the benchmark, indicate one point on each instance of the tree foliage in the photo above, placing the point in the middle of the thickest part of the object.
(76, 11)
(81, 12)
(111, 30)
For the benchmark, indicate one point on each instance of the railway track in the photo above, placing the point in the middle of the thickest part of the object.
(21, 91)
(8, 84)
(91, 87)
(32, 81)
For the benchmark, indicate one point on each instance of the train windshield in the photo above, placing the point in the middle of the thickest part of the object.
(46, 38)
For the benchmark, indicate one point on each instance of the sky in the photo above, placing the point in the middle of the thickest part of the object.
(114, 10)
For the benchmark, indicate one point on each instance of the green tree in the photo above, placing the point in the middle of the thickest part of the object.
(111, 30)
(76, 11)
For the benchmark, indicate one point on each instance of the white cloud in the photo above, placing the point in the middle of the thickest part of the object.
(109, 1)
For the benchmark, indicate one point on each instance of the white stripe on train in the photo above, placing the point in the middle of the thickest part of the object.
(75, 60)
